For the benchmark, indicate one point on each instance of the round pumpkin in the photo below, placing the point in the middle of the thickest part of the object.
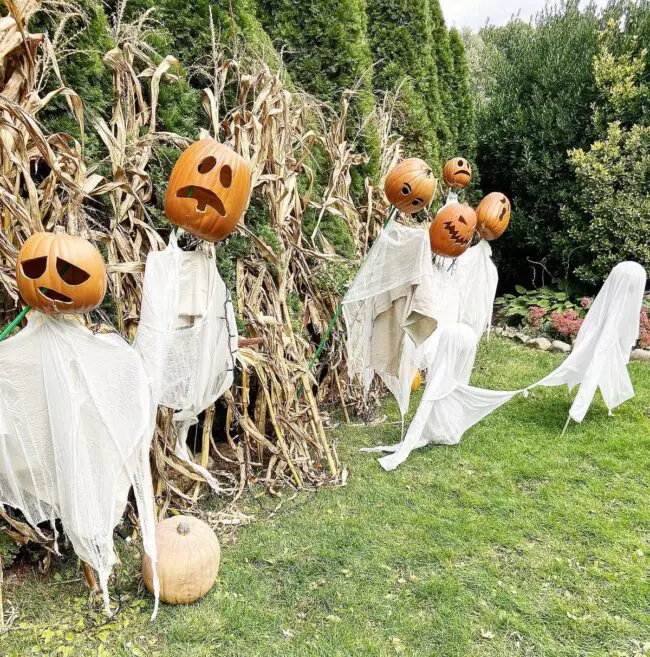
(59, 274)
(417, 382)
(188, 560)
(457, 173)
(208, 190)
(493, 216)
(452, 230)
(410, 185)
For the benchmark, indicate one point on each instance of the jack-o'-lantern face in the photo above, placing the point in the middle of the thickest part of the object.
(208, 190)
(493, 216)
(457, 173)
(59, 274)
(410, 185)
(452, 230)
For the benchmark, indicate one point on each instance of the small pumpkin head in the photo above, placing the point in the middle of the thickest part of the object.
(410, 185)
(208, 190)
(457, 173)
(493, 216)
(188, 554)
(452, 230)
(59, 274)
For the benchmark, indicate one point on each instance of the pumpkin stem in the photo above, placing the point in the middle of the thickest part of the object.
(183, 528)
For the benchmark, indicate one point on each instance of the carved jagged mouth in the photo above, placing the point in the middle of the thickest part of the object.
(203, 198)
(454, 235)
(53, 295)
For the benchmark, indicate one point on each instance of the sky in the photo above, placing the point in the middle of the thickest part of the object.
(474, 13)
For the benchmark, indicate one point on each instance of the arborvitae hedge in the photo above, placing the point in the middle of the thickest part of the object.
(461, 98)
(400, 40)
(325, 48)
(447, 126)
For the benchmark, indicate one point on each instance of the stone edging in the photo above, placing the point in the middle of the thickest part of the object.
(555, 346)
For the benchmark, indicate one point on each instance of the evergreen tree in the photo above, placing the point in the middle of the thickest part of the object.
(399, 32)
(325, 48)
(462, 100)
(448, 123)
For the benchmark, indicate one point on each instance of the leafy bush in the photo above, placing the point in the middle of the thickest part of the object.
(518, 306)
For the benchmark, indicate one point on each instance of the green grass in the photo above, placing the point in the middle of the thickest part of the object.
(518, 541)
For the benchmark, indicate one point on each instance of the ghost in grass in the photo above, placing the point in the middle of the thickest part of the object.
(603, 345)
(449, 405)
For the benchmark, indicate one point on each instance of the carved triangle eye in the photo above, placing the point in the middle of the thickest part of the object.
(71, 274)
(35, 267)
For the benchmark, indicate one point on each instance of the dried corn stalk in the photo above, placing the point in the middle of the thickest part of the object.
(270, 433)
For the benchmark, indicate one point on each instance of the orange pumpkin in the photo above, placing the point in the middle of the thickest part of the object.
(457, 173)
(188, 560)
(410, 185)
(493, 216)
(208, 190)
(58, 273)
(452, 230)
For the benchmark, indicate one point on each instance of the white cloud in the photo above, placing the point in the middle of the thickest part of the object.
(474, 13)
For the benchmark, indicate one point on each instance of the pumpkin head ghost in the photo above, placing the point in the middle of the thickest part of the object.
(59, 274)
(410, 185)
(457, 173)
(452, 230)
(493, 216)
(208, 190)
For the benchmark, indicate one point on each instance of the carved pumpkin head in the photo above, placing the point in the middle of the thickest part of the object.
(457, 173)
(452, 230)
(59, 274)
(208, 190)
(410, 185)
(493, 216)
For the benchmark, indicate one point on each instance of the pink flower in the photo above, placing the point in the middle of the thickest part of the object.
(567, 323)
(535, 316)
(586, 302)
(644, 329)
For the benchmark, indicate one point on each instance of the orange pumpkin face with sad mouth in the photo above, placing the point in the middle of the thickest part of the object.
(208, 190)
(457, 173)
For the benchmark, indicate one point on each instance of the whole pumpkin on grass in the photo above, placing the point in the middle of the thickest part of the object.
(188, 560)
(208, 190)
(58, 273)
(410, 185)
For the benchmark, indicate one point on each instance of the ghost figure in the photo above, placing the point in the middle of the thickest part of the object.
(389, 311)
(606, 338)
(76, 423)
(187, 337)
(449, 406)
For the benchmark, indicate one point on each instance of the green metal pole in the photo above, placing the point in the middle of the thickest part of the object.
(15, 323)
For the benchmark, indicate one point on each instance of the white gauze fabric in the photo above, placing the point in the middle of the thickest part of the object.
(76, 423)
(449, 406)
(604, 343)
(389, 310)
(187, 337)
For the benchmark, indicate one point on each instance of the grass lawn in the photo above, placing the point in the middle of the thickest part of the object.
(516, 542)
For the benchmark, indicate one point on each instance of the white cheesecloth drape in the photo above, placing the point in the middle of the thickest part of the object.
(76, 424)
(389, 310)
(187, 337)
(602, 348)
(449, 406)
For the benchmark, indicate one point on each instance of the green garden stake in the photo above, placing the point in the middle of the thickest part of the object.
(391, 215)
(15, 323)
